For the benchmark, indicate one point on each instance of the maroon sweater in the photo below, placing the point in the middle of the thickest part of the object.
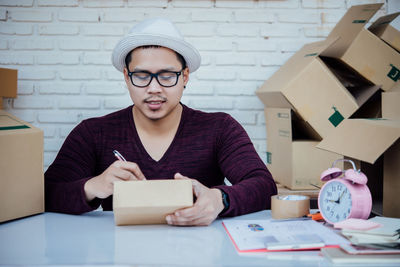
(207, 147)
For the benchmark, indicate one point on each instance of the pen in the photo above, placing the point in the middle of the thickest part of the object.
(118, 155)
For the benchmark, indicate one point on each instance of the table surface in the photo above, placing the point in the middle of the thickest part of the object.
(93, 238)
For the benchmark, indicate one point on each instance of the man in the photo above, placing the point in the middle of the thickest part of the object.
(160, 138)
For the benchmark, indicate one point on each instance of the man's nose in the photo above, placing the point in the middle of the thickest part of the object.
(154, 86)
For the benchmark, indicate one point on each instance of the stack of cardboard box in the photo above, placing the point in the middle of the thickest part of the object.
(21, 159)
(315, 102)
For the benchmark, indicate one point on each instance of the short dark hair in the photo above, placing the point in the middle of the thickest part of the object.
(128, 57)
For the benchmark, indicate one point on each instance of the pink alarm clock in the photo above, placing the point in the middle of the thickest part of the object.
(344, 197)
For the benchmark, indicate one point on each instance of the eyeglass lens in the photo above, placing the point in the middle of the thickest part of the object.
(164, 78)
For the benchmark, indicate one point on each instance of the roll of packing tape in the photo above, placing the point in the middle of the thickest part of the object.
(289, 206)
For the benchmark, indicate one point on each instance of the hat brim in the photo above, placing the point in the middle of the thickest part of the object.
(130, 42)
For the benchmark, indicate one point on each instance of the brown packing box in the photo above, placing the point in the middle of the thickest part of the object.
(382, 28)
(292, 157)
(363, 50)
(367, 140)
(149, 202)
(391, 105)
(21, 168)
(323, 91)
(8, 86)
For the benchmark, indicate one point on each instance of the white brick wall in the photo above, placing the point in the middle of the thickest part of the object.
(62, 49)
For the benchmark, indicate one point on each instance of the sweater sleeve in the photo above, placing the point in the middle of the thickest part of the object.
(66, 176)
(252, 183)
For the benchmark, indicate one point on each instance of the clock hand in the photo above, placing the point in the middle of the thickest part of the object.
(341, 195)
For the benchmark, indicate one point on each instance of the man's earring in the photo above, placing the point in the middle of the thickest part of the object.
(184, 86)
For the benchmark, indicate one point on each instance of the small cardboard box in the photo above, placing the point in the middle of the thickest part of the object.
(21, 168)
(8, 86)
(391, 105)
(382, 28)
(361, 49)
(367, 140)
(292, 157)
(323, 91)
(150, 201)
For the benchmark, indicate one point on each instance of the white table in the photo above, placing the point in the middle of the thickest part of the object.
(93, 238)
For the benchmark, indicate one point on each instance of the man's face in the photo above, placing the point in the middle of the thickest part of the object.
(155, 101)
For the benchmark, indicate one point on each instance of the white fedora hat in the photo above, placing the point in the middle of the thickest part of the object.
(155, 31)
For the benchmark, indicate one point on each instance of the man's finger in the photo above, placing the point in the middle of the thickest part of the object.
(133, 168)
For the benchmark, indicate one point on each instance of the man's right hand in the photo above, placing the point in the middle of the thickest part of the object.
(102, 186)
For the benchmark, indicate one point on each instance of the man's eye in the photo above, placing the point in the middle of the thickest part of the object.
(166, 75)
(141, 76)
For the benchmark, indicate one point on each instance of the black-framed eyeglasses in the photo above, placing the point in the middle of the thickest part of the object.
(164, 78)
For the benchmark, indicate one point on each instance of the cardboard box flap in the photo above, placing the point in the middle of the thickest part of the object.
(363, 139)
(8, 86)
(292, 68)
(381, 24)
(349, 26)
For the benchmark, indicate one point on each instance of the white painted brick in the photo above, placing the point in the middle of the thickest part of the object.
(198, 88)
(192, 3)
(251, 74)
(24, 3)
(33, 44)
(31, 16)
(3, 44)
(275, 59)
(69, 3)
(197, 29)
(48, 131)
(249, 103)
(123, 15)
(255, 132)
(113, 74)
(102, 3)
(59, 88)
(281, 30)
(97, 58)
(220, 103)
(33, 102)
(245, 30)
(103, 30)
(294, 16)
(212, 15)
(178, 15)
(48, 158)
(81, 44)
(13, 28)
(285, 4)
(14, 58)
(28, 116)
(332, 16)
(148, 3)
(244, 117)
(66, 130)
(208, 44)
(206, 59)
(215, 74)
(105, 88)
(57, 59)
(58, 29)
(240, 59)
(323, 4)
(109, 43)
(117, 102)
(91, 113)
(25, 88)
(317, 31)
(80, 74)
(73, 102)
(35, 74)
(253, 16)
(52, 145)
(236, 88)
(65, 116)
(253, 45)
(78, 15)
(261, 118)
(234, 4)
(292, 45)
(3, 14)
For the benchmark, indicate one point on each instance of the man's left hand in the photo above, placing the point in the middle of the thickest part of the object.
(204, 211)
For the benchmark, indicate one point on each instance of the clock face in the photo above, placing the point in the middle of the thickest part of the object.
(335, 202)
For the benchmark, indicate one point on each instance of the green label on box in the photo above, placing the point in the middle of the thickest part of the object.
(311, 55)
(269, 157)
(336, 117)
(14, 127)
(284, 133)
(394, 73)
(359, 21)
(283, 115)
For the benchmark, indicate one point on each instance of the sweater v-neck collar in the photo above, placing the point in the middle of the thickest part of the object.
(170, 147)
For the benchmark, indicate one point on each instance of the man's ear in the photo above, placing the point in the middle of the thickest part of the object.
(126, 77)
(185, 74)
